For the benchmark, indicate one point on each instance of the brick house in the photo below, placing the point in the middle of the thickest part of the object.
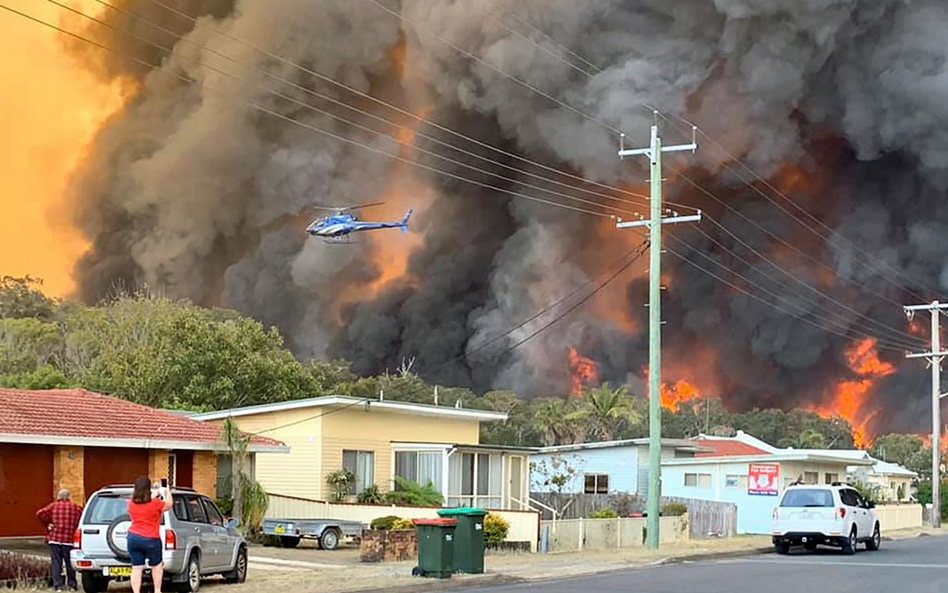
(81, 440)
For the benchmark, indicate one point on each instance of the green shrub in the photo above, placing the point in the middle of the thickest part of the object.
(495, 529)
(603, 514)
(341, 482)
(384, 523)
(371, 495)
(408, 493)
(403, 524)
(226, 505)
(674, 509)
(16, 567)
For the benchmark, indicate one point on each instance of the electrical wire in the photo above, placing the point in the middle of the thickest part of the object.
(311, 92)
(602, 274)
(401, 111)
(313, 417)
(305, 105)
(891, 332)
(291, 120)
(801, 316)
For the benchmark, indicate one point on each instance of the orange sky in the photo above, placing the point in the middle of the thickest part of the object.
(50, 109)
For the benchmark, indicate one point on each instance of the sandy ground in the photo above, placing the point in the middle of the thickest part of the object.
(310, 570)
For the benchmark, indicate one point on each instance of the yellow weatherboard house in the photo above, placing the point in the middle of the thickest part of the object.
(379, 439)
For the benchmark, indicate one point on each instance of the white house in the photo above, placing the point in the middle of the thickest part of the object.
(894, 482)
(607, 467)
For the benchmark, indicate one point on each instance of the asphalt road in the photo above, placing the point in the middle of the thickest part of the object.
(918, 565)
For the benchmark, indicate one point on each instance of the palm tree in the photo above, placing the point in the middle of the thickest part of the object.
(553, 419)
(605, 409)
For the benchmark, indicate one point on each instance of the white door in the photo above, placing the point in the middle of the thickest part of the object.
(515, 485)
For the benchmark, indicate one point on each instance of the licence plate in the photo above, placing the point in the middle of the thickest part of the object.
(278, 529)
(120, 571)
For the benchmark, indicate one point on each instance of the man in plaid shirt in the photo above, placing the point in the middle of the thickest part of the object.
(61, 519)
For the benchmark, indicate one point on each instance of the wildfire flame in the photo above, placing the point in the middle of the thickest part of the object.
(677, 393)
(849, 398)
(582, 372)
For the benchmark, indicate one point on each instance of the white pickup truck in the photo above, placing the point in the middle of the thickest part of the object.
(831, 514)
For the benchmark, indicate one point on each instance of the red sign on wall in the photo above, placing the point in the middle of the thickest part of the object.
(763, 479)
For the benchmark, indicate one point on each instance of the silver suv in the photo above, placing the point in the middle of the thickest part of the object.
(197, 541)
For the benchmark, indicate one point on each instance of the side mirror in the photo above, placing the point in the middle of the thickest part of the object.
(870, 505)
(233, 523)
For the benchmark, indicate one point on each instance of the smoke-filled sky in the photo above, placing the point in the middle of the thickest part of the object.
(839, 103)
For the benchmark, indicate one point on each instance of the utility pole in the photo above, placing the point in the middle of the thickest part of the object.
(654, 224)
(934, 358)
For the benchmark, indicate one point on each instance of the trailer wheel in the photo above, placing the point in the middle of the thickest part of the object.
(289, 541)
(329, 539)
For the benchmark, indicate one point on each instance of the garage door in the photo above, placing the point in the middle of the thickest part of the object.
(107, 465)
(26, 485)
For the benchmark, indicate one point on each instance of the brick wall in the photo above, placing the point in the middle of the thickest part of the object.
(205, 473)
(69, 472)
(389, 546)
(157, 464)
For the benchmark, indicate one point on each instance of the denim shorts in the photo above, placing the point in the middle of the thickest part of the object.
(142, 548)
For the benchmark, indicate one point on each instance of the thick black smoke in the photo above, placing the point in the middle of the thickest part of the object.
(194, 192)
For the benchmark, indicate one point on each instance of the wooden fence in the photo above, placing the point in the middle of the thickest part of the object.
(903, 516)
(707, 518)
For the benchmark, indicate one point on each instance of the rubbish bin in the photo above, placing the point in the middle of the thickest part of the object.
(469, 543)
(435, 547)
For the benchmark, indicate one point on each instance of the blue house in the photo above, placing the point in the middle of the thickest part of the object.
(607, 467)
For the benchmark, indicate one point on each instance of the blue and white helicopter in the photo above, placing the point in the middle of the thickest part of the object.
(341, 223)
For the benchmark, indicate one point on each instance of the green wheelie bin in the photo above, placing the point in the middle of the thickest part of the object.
(436, 539)
(469, 540)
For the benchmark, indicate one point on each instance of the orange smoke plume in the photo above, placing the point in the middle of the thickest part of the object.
(582, 372)
(674, 395)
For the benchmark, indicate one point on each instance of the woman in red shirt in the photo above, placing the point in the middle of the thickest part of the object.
(144, 538)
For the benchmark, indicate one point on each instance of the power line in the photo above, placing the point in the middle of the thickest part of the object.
(395, 108)
(171, 51)
(302, 124)
(801, 316)
(319, 95)
(894, 333)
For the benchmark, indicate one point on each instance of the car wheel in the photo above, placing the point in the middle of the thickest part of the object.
(782, 548)
(288, 541)
(849, 544)
(110, 537)
(239, 574)
(873, 544)
(192, 574)
(94, 583)
(329, 539)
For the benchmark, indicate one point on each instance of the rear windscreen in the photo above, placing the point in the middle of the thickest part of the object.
(808, 498)
(104, 508)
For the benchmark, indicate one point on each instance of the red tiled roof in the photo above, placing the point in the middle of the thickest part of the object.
(82, 414)
(726, 448)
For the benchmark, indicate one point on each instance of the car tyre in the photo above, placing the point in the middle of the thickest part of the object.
(110, 532)
(849, 544)
(289, 541)
(782, 549)
(329, 539)
(94, 583)
(192, 575)
(239, 574)
(875, 541)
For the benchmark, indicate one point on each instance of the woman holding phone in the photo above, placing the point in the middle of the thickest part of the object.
(144, 537)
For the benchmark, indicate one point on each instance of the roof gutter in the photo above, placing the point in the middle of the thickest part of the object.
(66, 441)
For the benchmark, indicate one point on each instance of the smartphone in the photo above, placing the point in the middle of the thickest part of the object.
(164, 482)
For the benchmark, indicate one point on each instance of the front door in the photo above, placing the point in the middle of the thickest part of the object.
(515, 484)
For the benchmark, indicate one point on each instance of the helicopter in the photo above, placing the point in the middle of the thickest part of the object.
(341, 222)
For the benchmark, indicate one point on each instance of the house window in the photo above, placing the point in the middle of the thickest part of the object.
(475, 479)
(421, 467)
(225, 469)
(362, 464)
(596, 484)
(698, 480)
(735, 481)
(831, 478)
(811, 478)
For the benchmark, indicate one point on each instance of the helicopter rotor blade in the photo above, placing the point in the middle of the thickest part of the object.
(345, 208)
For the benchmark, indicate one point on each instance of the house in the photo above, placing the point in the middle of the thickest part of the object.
(607, 467)
(892, 482)
(751, 482)
(81, 440)
(379, 439)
